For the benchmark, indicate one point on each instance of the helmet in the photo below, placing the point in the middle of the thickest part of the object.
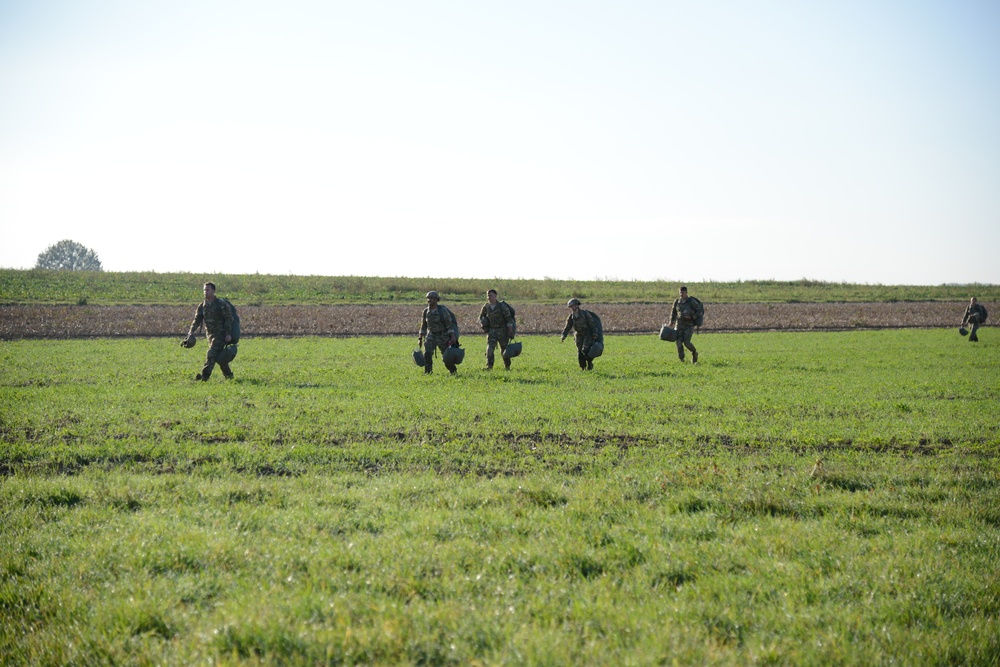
(963, 331)
(189, 341)
(668, 334)
(418, 357)
(512, 351)
(453, 355)
(596, 350)
(432, 295)
(227, 354)
(573, 302)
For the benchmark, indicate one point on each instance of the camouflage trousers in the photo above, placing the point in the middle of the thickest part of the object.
(973, 328)
(582, 348)
(684, 335)
(215, 345)
(496, 337)
(436, 342)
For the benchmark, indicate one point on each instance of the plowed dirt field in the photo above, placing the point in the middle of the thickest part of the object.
(25, 321)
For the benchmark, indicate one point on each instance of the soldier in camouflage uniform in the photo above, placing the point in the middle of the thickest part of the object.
(498, 323)
(975, 315)
(218, 320)
(685, 314)
(437, 332)
(582, 323)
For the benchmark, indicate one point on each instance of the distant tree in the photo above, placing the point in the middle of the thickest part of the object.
(69, 256)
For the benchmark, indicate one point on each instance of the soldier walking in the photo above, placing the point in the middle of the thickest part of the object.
(217, 317)
(497, 319)
(438, 331)
(686, 314)
(586, 332)
(975, 315)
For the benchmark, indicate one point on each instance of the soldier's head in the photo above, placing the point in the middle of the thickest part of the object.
(209, 290)
(492, 296)
(683, 292)
(432, 298)
(573, 304)
(972, 300)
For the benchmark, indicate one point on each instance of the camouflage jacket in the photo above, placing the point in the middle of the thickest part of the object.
(684, 313)
(439, 321)
(217, 317)
(975, 309)
(496, 317)
(581, 322)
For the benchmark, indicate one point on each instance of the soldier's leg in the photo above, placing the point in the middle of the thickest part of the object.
(215, 346)
(973, 338)
(491, 346)
(429, 348)
(680, 346)
(227, 372)
(581, 356)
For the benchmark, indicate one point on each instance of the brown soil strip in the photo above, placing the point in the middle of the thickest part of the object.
(26, 321)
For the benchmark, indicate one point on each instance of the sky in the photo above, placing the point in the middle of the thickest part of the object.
(845, 141)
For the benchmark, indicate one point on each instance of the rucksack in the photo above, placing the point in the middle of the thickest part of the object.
(513, 315)
(699, 311)
(985, 314)
(598, 325)
(454, 320)
(235, 331)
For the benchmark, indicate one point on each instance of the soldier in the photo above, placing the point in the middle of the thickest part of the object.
(586, 330)
(217, 317)
(975, 315)
(687, 313)
(438, 330)
(497, 319)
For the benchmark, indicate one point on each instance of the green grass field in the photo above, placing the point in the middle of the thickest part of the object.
(106, 287)
(793, 499)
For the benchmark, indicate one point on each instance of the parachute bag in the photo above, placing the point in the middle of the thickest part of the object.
(513, 317)
(418, 358)
(599, 326)
(595, 350)
(512, 350)
(227, 354)
(235, 331)
(668, 334)
(699, 311)
(453, 355)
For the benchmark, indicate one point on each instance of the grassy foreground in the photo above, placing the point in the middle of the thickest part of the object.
(106, 287)
(334, 506)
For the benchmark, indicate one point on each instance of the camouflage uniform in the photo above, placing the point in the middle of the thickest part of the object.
(218, 320)
(684, 314)
(437, 328)
(499, 323)
(975, 315)
(585, 328)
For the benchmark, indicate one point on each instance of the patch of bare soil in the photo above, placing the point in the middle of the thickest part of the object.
(27, 321)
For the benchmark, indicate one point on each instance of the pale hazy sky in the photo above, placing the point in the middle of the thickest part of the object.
(852, 140)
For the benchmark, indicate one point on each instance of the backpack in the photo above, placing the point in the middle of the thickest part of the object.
(513, 315)
(699, 311)
(235, 331)
(454, 321)
(598, 325)
(985, 314)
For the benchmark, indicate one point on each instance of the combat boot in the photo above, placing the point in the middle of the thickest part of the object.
(694, 357)
(452, 368)
(489, 365)
(428, 368)
(590, 364)
(227, 372)
(506, 364)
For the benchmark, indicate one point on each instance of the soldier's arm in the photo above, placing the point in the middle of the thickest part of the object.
(673, 314)
(423, 325)
(569, 326)
(199, 318)
(448, 322)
